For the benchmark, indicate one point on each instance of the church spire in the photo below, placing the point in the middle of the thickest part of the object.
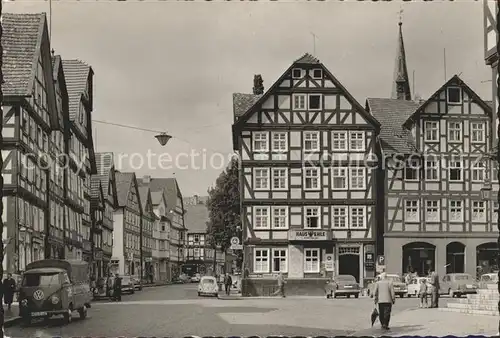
(401, 85)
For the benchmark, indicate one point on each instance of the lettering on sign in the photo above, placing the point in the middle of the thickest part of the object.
(308, 235)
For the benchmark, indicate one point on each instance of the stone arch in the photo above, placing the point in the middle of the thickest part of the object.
(419, 257)
(455, 257)
(486, 254)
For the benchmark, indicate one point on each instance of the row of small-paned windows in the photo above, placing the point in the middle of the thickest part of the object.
(57, 215)
(57, 174)
(196, 239)
(477, 132)
(74, 222)
(276, 217)
(30, 215)
(98, 215)
(75, 186)
(107, 237)
(195, 253)
(34, 131)
(78, 149)
(277, 142)
(455, 209)
(97, 240)
(299, 73)
(455, 168)
(147, 225)
(148, 242)
(132, 241)
(275, 260)
(32, 173)
(132, 219)
(57, 140)
(342, 178)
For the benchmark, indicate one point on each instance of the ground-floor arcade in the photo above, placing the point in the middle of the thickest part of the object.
(444, 255)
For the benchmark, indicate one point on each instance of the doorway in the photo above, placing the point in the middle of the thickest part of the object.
(455, 258)
(349, 262)
(418, 257)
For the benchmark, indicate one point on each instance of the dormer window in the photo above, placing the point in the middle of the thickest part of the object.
(454, 95)
(317, 74)
(296, 73)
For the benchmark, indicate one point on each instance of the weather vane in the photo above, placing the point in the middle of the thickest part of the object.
(401, 15)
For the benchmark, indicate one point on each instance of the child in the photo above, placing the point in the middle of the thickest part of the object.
(423, 293)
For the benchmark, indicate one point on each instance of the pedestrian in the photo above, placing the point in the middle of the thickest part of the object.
(117, 290)
(385, 297)
(110, 286)
(9, 289)
(423, 294)
(228, 281)
(435, 288)
(281, 285)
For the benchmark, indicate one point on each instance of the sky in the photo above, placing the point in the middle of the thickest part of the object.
(173, 66)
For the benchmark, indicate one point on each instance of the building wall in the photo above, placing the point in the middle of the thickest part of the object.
(118, 243)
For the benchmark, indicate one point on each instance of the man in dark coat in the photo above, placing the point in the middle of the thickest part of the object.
(9, 288)
(384, 297)
(435, 289)
(228, 282)
(117, 292)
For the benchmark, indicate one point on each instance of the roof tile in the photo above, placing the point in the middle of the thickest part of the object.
(243, 102)
(77, 73)
(307, 59)
(123, 186)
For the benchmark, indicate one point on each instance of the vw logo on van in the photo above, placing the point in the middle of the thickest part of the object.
(38, 295)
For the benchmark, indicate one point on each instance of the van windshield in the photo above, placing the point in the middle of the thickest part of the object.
(41, 279)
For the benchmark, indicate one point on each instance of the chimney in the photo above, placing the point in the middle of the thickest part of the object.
(258, 85)
(196, 201)
(146, 179)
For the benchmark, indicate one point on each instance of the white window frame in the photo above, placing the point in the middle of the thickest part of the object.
(265, 140)
(315, 268)
(432, 166)
(340, 217)
(432, 207)
(433, 127)
(494, 171)
(448, 95)
(316, 77)
(311, 136)
(298, 107)
(280, 142)
(363, 140)
(352, 178)
(340, 137)
(255, 178)
(414, 166)
(478, 171)
(478, 131)
(320, 102)
(336, 173)
(301, 73)
(494, 211)
(317, 213)
(313, 178)
(354, 217)
(283, 260)
(478, 208)
(454, 164)
(455, 132)
(412, 211)
(267, 219)
(273, 217)
(454, 206)
(283, 178)
(264, 268)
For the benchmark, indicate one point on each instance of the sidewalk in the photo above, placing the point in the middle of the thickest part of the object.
(11, 316)
(432, 322)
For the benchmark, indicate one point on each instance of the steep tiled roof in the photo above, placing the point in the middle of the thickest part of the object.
(143, 195)
(196, 218)
(123, 186)
(95, 184)
(21, 42)
(77, 73)
(156, 197)
(243, 102)
(392, 114)
(169, 185)
(308, 59)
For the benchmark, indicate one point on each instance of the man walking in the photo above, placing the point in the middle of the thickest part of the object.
(435, 289)
(281, 285)
(385, 297)
(9, 289)
(117, 292)
(228, 282)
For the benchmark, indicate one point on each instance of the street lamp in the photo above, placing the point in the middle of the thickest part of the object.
(486, 191)
(163, 138)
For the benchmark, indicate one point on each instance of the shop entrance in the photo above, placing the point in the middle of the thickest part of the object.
(418, 257)
(455, 258)
(349, 262)
(486, 257)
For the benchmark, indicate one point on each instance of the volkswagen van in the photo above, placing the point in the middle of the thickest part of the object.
(53, 287)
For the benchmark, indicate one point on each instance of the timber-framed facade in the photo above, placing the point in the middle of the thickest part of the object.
(307, 178)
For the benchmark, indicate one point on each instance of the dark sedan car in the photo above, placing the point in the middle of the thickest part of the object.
(343, 285)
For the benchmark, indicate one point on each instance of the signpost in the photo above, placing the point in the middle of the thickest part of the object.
(380, 264)
(235, 244)
(329, 262)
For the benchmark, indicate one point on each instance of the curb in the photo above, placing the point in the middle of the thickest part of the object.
(9, 322)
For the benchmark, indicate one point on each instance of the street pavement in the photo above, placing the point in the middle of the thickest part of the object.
(177, 311)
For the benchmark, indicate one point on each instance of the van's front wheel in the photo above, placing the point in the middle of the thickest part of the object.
(83, 312)
(67, 317)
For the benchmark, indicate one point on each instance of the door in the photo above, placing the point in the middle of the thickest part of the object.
(349, 265)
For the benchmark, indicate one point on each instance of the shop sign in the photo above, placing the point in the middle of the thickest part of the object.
(329, 262)
(307, 235)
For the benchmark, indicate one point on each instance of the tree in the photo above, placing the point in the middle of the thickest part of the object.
(224, 209)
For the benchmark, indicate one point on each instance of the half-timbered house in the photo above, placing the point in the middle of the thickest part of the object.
(307, 177)
(436, 162)
(30, 113)
(148, 219)
(127, 226)
(98, 207)
(161, 234)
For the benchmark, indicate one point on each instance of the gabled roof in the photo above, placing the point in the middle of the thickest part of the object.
(124, 183)
(243, 102)
(144, 197)
(454, 81)
(392, 114)
(196, 218)
(306, 59)
(96, 193)
(169, 185)
(156, 197)
(21, 40)
(77, 74)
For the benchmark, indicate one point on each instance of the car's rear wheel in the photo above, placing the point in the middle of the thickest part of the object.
(401, 295)
(83, 312)
(199, 294)
(356, 295)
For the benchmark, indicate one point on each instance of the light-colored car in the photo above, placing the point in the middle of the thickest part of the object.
(488, 278)
(457, 284)
(414, 286)
(196, 278)
(127, 284)
(208, 286)
(342, 285)
(400, 288)
(137, 283)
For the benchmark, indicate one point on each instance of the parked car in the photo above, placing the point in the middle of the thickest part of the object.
(183, 278)
(137, 282)
(488, 278)
(457, 284)
(128, 284)
(208, 286)
(196, 278)
(400, 287)
(342, 285)
(414, 286)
